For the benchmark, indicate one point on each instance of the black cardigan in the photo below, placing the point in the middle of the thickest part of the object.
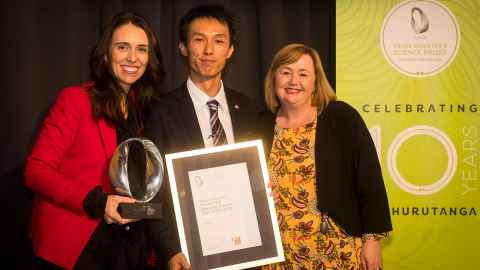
(350, 186)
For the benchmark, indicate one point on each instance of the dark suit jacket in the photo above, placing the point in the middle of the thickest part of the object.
(173, 126)
(350, 186)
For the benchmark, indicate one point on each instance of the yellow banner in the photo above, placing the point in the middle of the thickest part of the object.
(412, 69)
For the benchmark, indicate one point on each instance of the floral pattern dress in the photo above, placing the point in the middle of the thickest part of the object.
(292, 170)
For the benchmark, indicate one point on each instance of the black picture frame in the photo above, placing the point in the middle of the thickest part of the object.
(251, 153)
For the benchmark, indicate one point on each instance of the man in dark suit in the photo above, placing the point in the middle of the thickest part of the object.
(202, 112)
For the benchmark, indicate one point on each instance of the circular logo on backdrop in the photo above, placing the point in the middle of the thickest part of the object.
(420, 38)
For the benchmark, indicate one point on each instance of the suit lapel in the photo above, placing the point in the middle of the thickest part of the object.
(188, 118)
(236, 114)
(108, 136)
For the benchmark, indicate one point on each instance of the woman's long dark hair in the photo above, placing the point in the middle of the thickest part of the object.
(107, 94)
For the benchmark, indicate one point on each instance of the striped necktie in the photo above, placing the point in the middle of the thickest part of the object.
(218, 133)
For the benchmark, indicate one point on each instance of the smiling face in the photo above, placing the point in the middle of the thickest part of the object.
(208, 48)
(295, 83)
(129, 54)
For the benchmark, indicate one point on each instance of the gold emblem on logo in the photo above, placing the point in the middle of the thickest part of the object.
(237, 241)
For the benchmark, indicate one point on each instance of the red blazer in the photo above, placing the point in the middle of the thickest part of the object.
(70, 157)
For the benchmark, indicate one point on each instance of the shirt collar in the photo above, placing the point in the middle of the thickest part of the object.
(200, 98)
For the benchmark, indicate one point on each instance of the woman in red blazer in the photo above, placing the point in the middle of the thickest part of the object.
(67, 169)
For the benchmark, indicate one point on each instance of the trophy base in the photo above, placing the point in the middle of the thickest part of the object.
(140, 210)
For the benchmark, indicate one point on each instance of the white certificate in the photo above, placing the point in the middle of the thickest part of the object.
(225, 218)
(224, 208)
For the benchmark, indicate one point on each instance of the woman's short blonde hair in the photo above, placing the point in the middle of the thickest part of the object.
(323, 92)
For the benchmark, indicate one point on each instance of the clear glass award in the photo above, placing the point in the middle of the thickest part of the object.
(136, 170)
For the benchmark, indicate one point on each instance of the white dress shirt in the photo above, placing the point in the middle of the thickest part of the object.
(200, 99)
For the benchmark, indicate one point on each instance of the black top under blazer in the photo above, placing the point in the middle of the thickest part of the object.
(350, 186)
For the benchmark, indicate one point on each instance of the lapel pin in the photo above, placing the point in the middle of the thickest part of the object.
(236, 106)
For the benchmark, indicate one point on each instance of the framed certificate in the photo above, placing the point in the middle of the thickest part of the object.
(225, 217)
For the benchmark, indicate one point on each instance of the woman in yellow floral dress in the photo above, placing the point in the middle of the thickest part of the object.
(330, 198)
